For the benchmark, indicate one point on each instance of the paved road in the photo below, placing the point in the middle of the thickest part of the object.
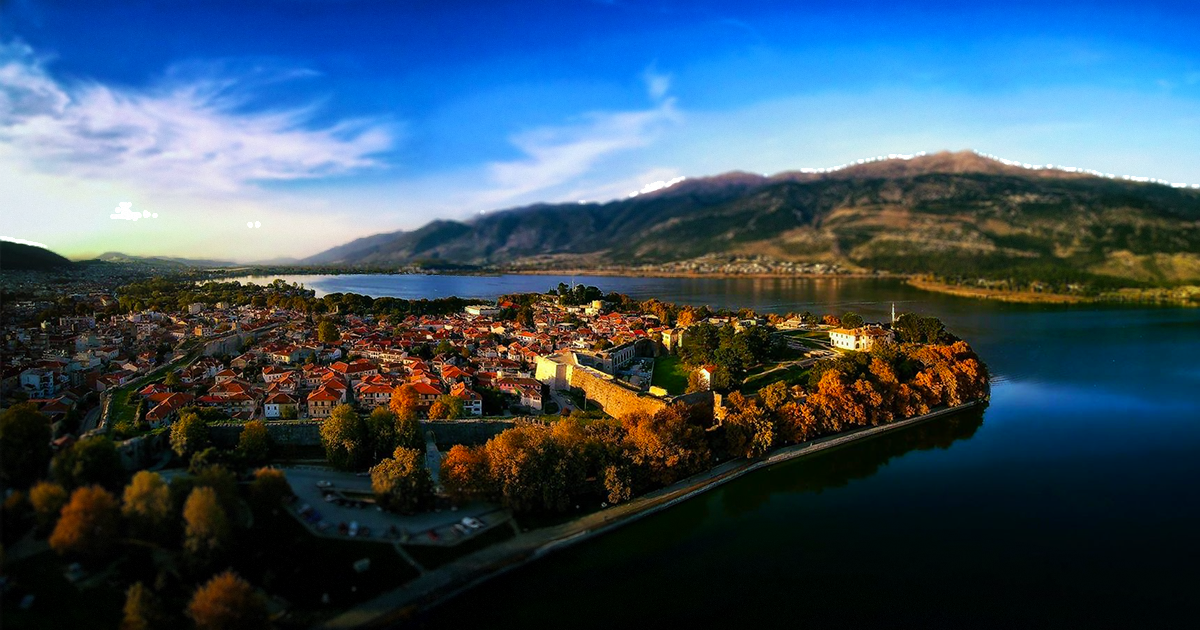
(433, 459)
(90, 420)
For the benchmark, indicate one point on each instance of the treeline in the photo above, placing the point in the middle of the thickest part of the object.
(165, 294)
(172, 537)
(552, 467)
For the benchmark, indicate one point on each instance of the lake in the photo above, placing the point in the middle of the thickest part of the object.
(1073, 499)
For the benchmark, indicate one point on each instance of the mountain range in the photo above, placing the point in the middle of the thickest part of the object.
(947, 213)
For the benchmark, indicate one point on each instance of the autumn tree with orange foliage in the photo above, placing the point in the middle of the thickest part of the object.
(464, 473)
(227, 602)
(749, 430)
(666, 447)
(89, 525)
(406, 402)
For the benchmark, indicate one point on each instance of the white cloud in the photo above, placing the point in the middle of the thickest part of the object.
(555, 156)
(657, 84)
(175, 135)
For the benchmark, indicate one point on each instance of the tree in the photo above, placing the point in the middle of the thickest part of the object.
(851, 320)
(92, 460)
(147, 505)
(831, 320)
(405, 401)
(774, 396)
(173, 381)
(270, 487)
(447, 407)
(254, 443)
(408, 433)
(143, 610)
(47, 499)
(748, 429)
(382, 426)
(344, 436)
(189, 435)
(464, 473)
(89, 525)
(402, 483)
(206, 524)
(227, 602)
(24, 445)
(666, 446)
(327, 332)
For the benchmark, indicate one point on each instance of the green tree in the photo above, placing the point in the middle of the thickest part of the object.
(143, 610)
(851, 320)
(147, 505)
(227, 602)
(24, 445)
(92, 460)
(47, 499)
(254, 444)
(402, 483)
(344, 435)
(89, 525)
(447, 407)
(327, 332)
(189, 435)
(382, 437)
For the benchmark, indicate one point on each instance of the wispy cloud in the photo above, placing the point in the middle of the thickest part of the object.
(555, 156)
(191, 133)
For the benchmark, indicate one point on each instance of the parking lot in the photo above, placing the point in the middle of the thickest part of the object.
(351, 508)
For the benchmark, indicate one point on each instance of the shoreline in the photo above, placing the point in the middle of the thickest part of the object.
(1018, 297)
(446, 582)
(1184, 296)
(633, 273)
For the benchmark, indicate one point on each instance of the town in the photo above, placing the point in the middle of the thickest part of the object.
(426, 430)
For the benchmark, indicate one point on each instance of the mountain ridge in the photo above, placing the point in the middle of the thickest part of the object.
(942, 213)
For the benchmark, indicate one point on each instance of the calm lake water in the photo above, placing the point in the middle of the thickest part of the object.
(1073, 499)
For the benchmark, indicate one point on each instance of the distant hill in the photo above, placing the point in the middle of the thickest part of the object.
(947, 213)
(18, 256)
(118, 257)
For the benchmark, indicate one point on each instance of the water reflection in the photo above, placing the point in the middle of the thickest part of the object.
(838, 467)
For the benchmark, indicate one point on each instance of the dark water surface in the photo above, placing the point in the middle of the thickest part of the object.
(1072, 500)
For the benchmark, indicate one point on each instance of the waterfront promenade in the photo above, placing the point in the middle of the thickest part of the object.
(441, 584)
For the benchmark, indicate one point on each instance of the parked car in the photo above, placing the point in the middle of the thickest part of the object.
(353, 528)
(473, 523)
(460, 528)
(324, 484)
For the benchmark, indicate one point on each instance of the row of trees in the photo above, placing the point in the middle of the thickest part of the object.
(550, 467)
(192, 517)
(168, 294)
(354, 442)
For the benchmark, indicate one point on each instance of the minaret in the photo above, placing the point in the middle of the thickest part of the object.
(893, 313)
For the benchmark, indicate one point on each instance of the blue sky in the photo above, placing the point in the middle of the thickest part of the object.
(325, 120)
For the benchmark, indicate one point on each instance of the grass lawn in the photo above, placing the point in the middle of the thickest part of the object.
(431, 557)
(791, 376)
(670, 374)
